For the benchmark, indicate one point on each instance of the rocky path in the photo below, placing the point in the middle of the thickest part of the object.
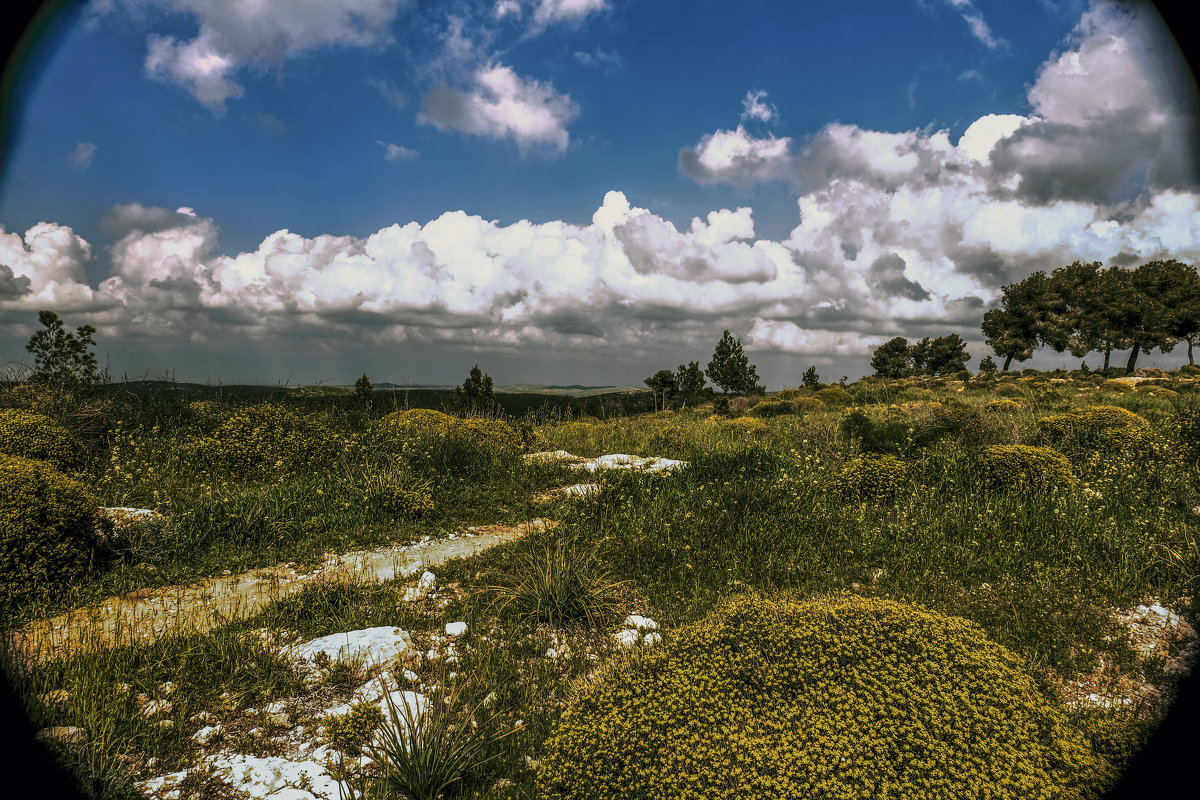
(209, 603)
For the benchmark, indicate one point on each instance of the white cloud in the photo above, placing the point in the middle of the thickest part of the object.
(397, 153)
(981, 135)
(502, 105)
(81, 157)
(756, 107)
(506, 8)
(738, 158)
(232, 35)
(44, 269)
(979, 27)
(552, 12)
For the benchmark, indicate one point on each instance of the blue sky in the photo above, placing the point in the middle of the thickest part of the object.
(576, 191)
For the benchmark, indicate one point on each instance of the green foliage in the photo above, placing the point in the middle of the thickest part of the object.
(1187, 433)
(263, 440)
(397, 498)
(731, 369)
(1102, 428)
(60, 357)
(353, 731)
(364, 392)
(811, 380)
(871, 476)
(689, 379)
(423, 753)
(893, 359)
(839, 697)
(664, 385)
(1031, 316)
(47, 530)
(476, 395)
(987, 366)
(563, 584)
(29, 435)
(1018, 467)
(835, 397)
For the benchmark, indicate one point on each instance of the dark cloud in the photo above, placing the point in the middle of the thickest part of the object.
(887, 275)
(12, 286)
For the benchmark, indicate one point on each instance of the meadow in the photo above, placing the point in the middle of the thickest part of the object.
(1036, 506)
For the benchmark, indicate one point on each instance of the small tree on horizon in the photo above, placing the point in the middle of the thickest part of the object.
(664, 386)
(690, 379)
(731, 369)
(364, 392)
(893, 359)
(62, 358)
(811, 379)
(476, 395)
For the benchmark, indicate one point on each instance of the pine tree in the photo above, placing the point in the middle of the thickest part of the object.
(364, 391)
(811, 379)
(731, 369)
(690, 379)
(476, 395)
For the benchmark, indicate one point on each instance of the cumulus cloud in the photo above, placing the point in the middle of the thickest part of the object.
(502, 105)
(231, 35)
(81, 157)
(736, 157)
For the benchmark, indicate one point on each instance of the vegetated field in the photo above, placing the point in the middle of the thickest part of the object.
(1042, 508)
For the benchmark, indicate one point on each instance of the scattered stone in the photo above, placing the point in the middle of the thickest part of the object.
(123, 517)
(614, 461)
(271, 776)
(62, 735)
(640, 622)
(207, 735)
(456, 628)
(151, 708)
(638, 630)
(425, 585)
(375, 647)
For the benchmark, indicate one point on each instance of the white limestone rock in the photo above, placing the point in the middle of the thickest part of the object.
(426, 584)
(375, 647)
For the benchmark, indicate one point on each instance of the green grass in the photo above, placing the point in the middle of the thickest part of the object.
(753, 512)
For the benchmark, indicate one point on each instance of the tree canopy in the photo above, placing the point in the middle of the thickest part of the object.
(731, 369)
(61, 357)
(476, 395)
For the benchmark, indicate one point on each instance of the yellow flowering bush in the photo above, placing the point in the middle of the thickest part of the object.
(1024, 467)
(351, 731)
(418, 417)
(397, 499)
(1004, 404)
(744, 427)
(871, 476)
(1120, 387)
(47, 529)
(261, 440)
(1009, 390)
(835, 396)
(31, 435)
(1097, 428)
(776, 407)
(838, 697)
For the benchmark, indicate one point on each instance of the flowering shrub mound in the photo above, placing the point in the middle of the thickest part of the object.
(835, 396)
(47, 530)
(871, 476)
(418, 417)
(1004, 404)
(1026, 468)
(777, 406)
(264, 439)
(836, 697)
(30, 435)
(1097, 428)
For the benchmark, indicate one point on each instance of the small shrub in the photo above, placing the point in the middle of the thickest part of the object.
(423, 752)
(1025, 468)
(1187, 433)
(30, 435)
(1097, 428)
(398, 499)
(262, 440)
(837, 697)
(871, 476)
(1009, 390)
(47, 530)
(746, 427)
(1120, 387)
(563, 584)
(835, 396)
(772, 408)
(353, 731)
(418, 417)
(1005, 404)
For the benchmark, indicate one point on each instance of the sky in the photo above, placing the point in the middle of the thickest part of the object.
(576, 191)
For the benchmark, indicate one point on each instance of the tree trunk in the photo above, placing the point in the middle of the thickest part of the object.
(1190, 362)
(1107, 353)
(1007, 361)
(1132, 360)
